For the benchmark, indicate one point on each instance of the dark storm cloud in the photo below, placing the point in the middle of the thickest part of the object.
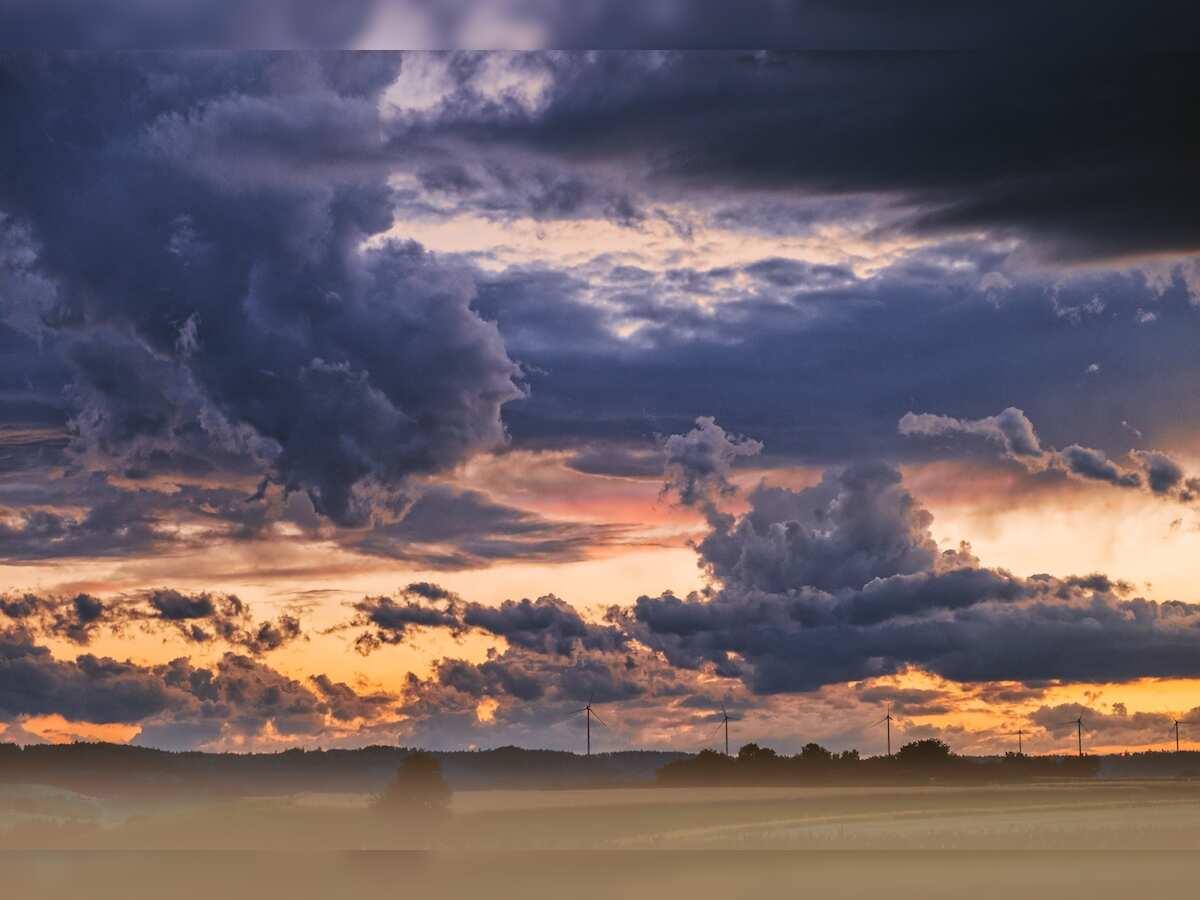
(1149, 469)
(1092, 163)
(856, 525)
(864, 24)
(762, 358)
(821, 374)
(121, 24)
(803, 639)
(530, 24)
(842, 581)
(236, 194)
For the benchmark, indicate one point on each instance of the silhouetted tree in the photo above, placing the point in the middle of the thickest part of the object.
(418, 788)
(929, 754)
(815, 753)
(752, 753)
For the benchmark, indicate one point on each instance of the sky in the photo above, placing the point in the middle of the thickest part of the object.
(425, 397)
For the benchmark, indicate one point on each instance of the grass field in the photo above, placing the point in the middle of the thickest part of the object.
(1097, 840)
(1124, 815)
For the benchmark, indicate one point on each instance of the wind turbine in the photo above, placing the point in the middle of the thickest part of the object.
(1177, 723)
(1018, 734)
(1078, 723)
(888, 720)
(725, 722)
(589, 715)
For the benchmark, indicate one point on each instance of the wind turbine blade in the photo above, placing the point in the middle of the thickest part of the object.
(598, 719)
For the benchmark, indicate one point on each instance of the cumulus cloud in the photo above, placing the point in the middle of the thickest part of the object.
(241, 198)
(698, 463)
(1150, 470)
(857, 524)
(842, 581)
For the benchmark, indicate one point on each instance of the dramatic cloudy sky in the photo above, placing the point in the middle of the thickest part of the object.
(357, 398)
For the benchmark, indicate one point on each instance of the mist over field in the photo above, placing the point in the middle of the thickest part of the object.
(1108, 839)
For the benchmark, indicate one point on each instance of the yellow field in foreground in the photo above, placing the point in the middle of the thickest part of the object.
(1064, 816)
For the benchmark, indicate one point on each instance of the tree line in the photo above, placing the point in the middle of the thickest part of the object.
(917, 761)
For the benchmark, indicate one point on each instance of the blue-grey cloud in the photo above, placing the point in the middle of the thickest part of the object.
(1152, 470)
(239, 196)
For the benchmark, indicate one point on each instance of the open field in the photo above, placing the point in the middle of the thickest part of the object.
(1124, 815)
(1100, 840)
(549, 875)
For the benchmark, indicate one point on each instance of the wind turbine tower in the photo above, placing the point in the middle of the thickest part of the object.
(1078, 723)
(888, 721)
(1019, 734)
(589, 714)
(1177, 723)
(725, 721)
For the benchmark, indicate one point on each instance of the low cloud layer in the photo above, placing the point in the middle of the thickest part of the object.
(236, 701)
(194, 618)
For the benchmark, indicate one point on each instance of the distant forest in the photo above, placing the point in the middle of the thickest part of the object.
(110, 769)
(117, 769)
(919, 761)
